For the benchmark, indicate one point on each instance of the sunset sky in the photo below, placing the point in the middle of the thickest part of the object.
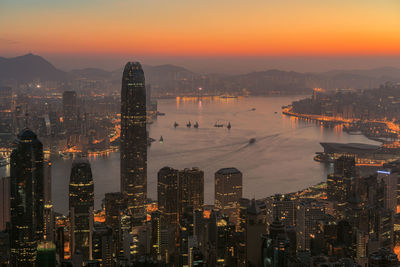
(179, 30)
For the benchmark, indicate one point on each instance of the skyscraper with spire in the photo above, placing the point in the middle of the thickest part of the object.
(134, 140)
(27, 198)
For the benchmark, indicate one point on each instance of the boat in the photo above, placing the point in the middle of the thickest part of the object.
(229, 126)
(176, 125)
(276, 112)
(161, 139)
(218, 125)
(228, 96)
(150, 140)
(66, 155)
(189, 125)
(196, 125)
(160, 113)
(253, 109)
(252, 141)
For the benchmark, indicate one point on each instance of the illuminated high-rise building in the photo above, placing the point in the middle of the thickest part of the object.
(6, 118)
(103, 245)
(4, 202)
(134, 140)
(70, 111)
(190, 189)
(81, 202)
(46, 254)
(48, 220)
(27, 198)
(341, 183)
(115, 206)
(167, 190)
(309, 213)
(284, 209)
(228, 192)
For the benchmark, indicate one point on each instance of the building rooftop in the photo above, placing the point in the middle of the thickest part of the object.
(354, 148)
(27, 134)
(226, 171)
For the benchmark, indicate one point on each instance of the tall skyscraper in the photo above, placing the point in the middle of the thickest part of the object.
(46, 254)
(115, 205)
(228, 192)
(27, 198)
(190, 189)
(341, 183)
(275, 246)
(4, 202)
(103, 245)
(48, 227)
(167, 190)
(6, 118)
(134, 140)
(309, 213)
(81, 202)
(70, 111)
(283, 208)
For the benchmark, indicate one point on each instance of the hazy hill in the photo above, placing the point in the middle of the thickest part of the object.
(28, 68)
(92, 73)
(175, 79)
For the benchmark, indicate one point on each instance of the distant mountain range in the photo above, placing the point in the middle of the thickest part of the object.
(28, 68)
(171, 78)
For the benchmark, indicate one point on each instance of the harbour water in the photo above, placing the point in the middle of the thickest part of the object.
(280, 160)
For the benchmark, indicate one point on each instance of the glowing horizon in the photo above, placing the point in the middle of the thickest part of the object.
(206, 28)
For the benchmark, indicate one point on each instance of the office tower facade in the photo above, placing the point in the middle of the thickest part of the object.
(284, 209)
(309, 213)
(159, 240)
(383, 257)
(133, 146)
(219, 239)
(228, 192)
(255, 228)
(48, 220)
(81, 202)
(115, 205)
(167, 191)
(4, 248)
(27, 198)
(46, 254)
(190, 189)
(275, 246)
(390, 188)
(70, 111)
(6, 118)
(103, 245)
(4, 202)
(341, 183)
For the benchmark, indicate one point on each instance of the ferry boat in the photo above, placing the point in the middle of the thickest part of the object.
(228, 96)
(218, 125)
(150, 140)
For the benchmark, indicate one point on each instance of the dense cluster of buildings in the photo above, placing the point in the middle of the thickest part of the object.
(373, 112)
(352, 221)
